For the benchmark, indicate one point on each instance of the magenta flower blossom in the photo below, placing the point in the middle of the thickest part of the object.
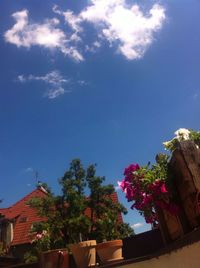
(146, 193)
(130, 169)
(163, 188)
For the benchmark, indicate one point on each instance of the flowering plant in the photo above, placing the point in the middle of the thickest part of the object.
(146, 187)
(41, 241)
(182, 134)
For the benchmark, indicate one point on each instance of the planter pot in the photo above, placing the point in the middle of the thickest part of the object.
(110, 251)
(84, 253)
(57, 258)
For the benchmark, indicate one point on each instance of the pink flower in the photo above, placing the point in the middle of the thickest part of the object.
(39, 236)
(147, 198)
(130, 193)
(151, 219)
(124, 185)
(130, 169)
(121, 184)
(146, 194)
(163, 188)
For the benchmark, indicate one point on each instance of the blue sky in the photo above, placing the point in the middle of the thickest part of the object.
(106, 81)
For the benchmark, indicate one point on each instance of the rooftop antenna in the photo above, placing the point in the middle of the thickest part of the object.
(38, 182)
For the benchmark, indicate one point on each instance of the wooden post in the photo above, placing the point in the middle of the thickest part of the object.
(185, 168)
(170, 225)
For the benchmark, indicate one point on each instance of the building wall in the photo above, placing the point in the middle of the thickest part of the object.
(142, 244)
(185, 257)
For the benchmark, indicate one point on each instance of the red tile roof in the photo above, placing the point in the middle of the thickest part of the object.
(24, 217)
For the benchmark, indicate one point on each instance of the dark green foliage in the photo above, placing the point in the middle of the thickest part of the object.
(67, 221)
(73, 203)
(29, 257)
(195, 136)
(105, 224)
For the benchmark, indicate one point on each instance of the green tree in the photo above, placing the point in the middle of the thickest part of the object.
(66, 217)
(73, 203)
(66, 220)
(105, 213)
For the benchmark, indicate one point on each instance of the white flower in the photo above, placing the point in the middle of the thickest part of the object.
(182, 134)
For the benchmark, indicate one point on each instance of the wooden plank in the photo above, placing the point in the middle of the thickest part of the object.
(192, 158)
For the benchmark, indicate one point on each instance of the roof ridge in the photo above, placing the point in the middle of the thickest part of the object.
(38, 188)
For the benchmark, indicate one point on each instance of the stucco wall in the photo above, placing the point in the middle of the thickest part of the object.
(186, 257)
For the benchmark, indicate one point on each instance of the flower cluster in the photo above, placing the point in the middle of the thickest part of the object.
(146, 191)
(146, 186)
(41, 241)
(182, 134)
(39, 236)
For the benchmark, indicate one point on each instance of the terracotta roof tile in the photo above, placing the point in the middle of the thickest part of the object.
(25, 216)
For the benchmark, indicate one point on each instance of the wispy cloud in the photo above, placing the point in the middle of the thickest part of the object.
(137, 225)
(28, 170)
(115, 21)
(54, 80)
(195, 96)
(47, 35)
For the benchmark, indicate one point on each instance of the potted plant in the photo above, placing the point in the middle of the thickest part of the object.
(77, 222)
(84, 253)
(152, 189)
(110, 251)
(105, 216)
(54, 258)
(74, 220)
(64, 214)
(44, 249)
(146, 187)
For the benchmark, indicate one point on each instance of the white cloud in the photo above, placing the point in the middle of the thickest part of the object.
(127, 26)
(28, 169)
(70, 18)
(54, 79)
(55, 92)
(47, 34)
(93, 47)
(21, 78)
(116, 22)
(137, 225)
(82, 83)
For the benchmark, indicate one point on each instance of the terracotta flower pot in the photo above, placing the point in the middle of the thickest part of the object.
(110, 251)
(57, 258)
(84, 253)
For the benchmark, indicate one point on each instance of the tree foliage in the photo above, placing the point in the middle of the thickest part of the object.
(67, 220)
